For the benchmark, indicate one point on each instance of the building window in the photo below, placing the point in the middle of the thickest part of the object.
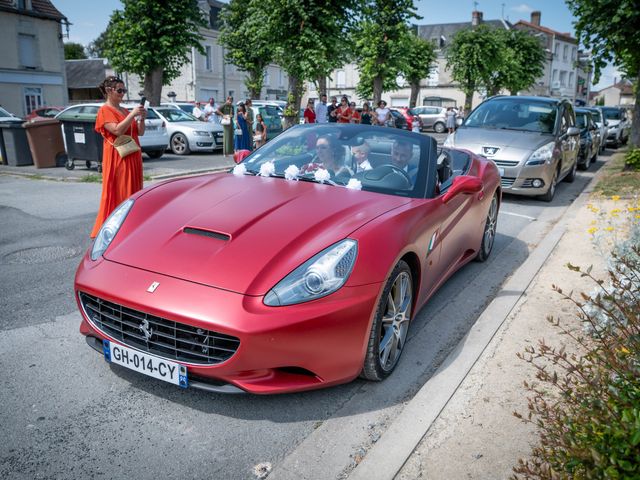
(341, 79)
(556, 51)
(32, 98)
(573, 54)
(571, 79)
(27, 50)
(554, 78)
(214, 20)
(207, 58)
(280, 78)
(563, 79)
(267, 79)
(565, 53)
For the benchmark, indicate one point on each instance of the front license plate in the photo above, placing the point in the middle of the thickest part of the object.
(145, 363)
(501, 171)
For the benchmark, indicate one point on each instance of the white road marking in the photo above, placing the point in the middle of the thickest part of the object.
(518, 215)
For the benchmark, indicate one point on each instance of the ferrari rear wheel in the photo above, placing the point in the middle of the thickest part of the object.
(390, 326)
(489, 233)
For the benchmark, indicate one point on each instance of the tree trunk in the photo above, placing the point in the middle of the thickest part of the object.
(322, 85)
(293, 101)
(377, 89)
(415, 90)
(635, 118)
(254, 83)
(468, 100)
(153, 85)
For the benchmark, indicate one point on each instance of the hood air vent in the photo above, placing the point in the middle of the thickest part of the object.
(206, 233)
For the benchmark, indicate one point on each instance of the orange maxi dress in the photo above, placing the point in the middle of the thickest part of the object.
(121, 177)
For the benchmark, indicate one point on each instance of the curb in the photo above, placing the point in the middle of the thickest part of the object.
(388, 456)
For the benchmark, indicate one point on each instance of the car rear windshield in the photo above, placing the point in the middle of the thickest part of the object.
(515, 114)
(612, 113)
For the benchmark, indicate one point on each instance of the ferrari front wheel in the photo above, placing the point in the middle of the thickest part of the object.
(489, 233)
(390, 326)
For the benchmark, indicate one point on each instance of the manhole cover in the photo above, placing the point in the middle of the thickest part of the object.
(37, 255)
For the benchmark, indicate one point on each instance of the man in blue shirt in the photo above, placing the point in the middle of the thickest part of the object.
(321, 109)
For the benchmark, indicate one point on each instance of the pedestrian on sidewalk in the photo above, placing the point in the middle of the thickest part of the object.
(210, 112)
(121, 177)
(226, 112)
(260, 137)
(332, 115)
(366, 117)
(355, 114)
(197, 111)
(309, 113)
(451, 119)
(383, 115)
(321, 109)
(242, 140)
(248, 104)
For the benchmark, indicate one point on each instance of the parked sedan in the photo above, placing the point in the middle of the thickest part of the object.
(398, 120)
(153, 142)
(602, 124)
(269, 282)
(589, 138)
(619, 125)
(43, 112)
(532, 140)
(6, 116)
(411, 116)
(188, 134)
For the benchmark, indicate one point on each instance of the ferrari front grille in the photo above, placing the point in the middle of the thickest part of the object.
(157, 335)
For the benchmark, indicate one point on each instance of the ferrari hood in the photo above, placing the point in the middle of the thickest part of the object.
(239, 233)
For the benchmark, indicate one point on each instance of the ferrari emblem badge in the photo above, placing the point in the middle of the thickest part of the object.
(152, 287)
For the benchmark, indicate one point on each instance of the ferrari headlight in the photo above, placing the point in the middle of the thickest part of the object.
(449, 142)
(542, 155)
(319, 276)
(109, 229)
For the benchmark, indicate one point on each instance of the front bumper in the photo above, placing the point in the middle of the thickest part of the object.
(201, 143)
(518, 180)
(282, 349)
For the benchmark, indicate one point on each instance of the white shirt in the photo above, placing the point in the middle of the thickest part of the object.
(364, 166)
(382, 114)
(211, 111)
(197, 113)
(321, 112)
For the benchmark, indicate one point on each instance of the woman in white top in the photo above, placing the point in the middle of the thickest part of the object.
(383, 114)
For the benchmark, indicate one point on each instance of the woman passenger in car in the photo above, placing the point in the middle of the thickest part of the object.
(329, 156)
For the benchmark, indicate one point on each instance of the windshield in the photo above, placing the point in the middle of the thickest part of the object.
(612, 113)
(581, 120)
(514, 114)
(596, 116)
(4, 113)
(176, 115)
(361, 157)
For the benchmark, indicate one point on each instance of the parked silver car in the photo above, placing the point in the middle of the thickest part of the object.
(619, 125)
(589, 138)
(432, 118)
(532, 140)
(153, 142)
(603, 125)
(188, 134)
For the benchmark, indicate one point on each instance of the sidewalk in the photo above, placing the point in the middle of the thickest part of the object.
(472, 433)
(167, 166)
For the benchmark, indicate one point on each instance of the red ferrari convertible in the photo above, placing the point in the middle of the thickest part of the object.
(301, 268)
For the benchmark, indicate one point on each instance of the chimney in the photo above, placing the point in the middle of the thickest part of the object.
(535, 17)
(476, 18)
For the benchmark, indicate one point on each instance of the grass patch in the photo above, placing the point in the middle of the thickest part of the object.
(91, 178)
(618, 180)
(37, 176)
(147, 178)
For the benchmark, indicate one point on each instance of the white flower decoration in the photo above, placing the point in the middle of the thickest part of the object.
(239, 170)
(354, 184)
(291, 173)
(267, 169)
(322, 175)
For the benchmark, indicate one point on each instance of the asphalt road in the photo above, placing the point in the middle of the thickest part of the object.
(68, 414)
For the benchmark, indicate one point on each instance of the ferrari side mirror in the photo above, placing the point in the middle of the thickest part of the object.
(463, 184)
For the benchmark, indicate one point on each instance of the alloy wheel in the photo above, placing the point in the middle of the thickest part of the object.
(490, 226)
(395, 321)
(179, 144)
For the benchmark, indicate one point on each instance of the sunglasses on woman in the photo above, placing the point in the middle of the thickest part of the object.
(120, 90)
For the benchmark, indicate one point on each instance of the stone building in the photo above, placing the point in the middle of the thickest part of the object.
(32, 71)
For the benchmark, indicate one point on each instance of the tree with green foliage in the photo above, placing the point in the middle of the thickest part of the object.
(309, 38)
(152, 39)
(74, 51)
(246, 40)
(473, 58)
(380, 43)
(610, 30)
(522, 62)
(419, 58)
(95, 49)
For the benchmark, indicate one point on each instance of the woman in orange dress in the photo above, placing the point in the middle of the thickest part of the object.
(121, 177)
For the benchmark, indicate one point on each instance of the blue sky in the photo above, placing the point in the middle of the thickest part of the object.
(88, 23)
